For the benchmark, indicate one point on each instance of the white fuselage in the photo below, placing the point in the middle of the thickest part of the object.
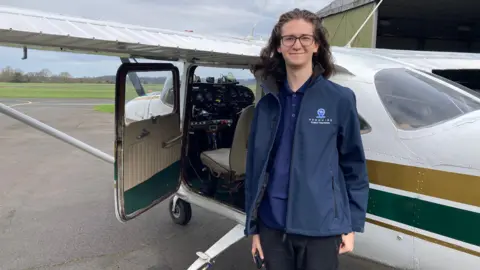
(450, 146)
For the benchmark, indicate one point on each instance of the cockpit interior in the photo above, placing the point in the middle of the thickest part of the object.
(219, 114)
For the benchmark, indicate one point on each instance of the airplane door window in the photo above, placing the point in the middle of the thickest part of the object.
(415, 101)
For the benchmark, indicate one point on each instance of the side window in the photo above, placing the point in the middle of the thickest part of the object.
(415, 101)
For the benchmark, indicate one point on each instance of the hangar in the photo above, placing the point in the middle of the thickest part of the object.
(426, 25)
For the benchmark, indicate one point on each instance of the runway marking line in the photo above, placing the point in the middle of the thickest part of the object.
(20, 104)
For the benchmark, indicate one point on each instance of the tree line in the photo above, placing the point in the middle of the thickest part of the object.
(12, 75)
(9, 74)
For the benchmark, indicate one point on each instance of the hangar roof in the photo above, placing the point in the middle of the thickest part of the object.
(339, 6)
(412, 9)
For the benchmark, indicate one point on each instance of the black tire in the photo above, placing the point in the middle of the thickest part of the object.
(183, 212)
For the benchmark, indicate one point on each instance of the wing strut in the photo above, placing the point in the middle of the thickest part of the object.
(206, 259)
(54, 133)
(25, 53)
(137, 84)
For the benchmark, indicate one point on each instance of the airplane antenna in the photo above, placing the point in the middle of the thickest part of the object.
(252, 32)
(349, 44)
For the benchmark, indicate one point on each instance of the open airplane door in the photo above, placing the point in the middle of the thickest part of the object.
(147, 151)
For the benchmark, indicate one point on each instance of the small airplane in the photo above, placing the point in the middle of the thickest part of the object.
(420, 132)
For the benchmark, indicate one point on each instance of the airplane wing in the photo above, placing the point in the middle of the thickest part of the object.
(46, 31)
(430, 60)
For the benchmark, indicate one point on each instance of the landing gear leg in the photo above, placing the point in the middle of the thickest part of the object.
(180, 211)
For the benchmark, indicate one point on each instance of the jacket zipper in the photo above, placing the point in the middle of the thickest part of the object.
(266, 177)
(260, 195)
(290, 176)
(334, 196)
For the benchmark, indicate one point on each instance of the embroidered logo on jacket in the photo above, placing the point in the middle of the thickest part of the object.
(320, 119)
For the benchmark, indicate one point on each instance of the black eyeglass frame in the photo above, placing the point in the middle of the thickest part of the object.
(310, 42)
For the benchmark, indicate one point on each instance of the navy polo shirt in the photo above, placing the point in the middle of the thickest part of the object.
(273, 208)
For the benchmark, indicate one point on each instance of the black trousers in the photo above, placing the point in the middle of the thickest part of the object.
(296, 252)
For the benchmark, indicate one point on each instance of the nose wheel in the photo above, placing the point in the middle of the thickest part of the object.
(180, 211)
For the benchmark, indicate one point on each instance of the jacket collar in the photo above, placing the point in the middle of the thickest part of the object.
(271, 85)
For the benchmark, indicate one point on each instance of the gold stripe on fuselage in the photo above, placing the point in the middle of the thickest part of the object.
(450, 186)
(423, 237)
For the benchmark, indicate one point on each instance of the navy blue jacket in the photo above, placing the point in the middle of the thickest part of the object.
(328, 187)
(274, 204)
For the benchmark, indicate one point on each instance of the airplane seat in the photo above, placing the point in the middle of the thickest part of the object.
(230, 163)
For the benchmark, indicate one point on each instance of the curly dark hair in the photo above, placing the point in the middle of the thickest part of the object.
(272, 63)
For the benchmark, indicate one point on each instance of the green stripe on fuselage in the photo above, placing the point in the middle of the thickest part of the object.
(444, 220)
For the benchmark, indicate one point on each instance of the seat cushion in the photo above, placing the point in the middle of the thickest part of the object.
(217, 160)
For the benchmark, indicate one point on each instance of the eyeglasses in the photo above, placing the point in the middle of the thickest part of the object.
(305, 40)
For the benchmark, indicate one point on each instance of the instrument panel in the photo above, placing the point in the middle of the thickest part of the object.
(218, 103)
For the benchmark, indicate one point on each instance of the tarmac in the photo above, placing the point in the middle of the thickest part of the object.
(57, 203)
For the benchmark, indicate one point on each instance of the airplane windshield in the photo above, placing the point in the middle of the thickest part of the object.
(416, 101)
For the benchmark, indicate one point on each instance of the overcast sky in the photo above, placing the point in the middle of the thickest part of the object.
(231, 17)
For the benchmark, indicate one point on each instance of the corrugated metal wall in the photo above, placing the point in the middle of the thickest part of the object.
(342, 26)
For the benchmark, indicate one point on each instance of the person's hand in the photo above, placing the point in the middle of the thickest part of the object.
(256, 246)
(347, 243)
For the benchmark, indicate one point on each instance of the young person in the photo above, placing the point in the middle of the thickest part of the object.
(306, 186)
